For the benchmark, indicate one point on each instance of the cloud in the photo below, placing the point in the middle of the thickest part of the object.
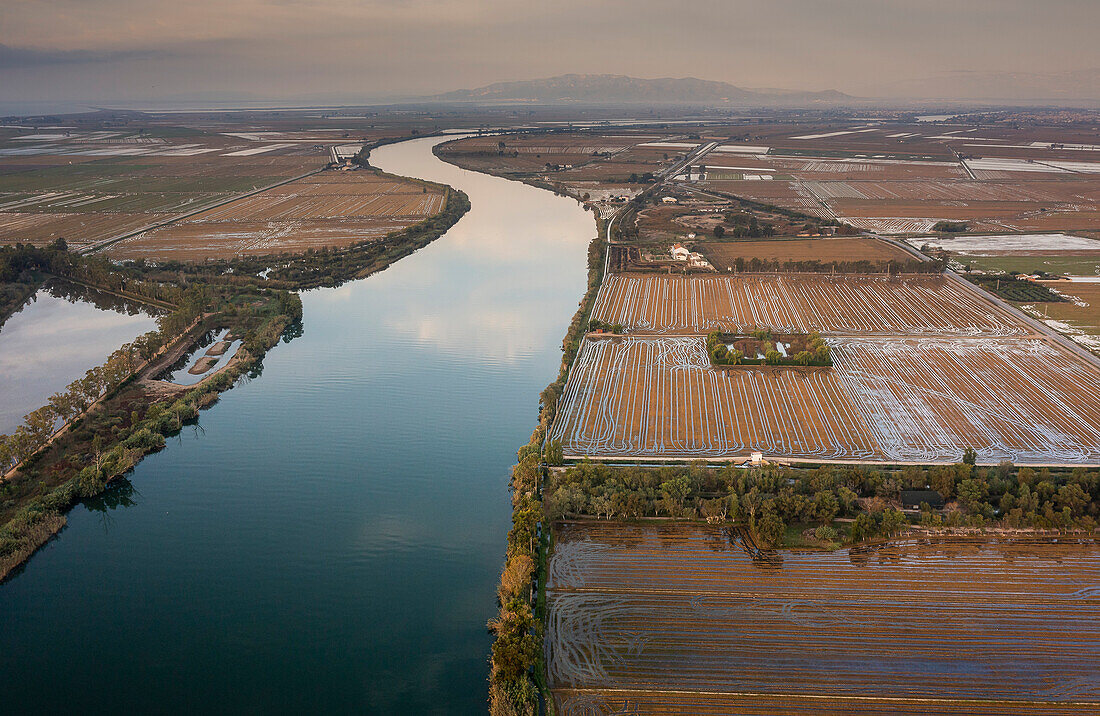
(28, 57)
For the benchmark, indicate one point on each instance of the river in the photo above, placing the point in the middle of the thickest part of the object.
(329, 538)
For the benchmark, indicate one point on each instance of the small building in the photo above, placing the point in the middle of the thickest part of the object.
(757, 459)
(679, 253)
(696, 260)
(669, 200)
(912, 499)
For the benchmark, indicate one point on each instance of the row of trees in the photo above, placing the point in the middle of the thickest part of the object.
(768, 499)
(39, 425)
(517, 646)
(756, 265)
(19, 262)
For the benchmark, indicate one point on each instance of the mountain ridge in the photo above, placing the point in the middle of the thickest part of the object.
(603, 88)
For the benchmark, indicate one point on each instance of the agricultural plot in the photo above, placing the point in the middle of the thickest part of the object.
(329, 209)
(657, 397)
(724, 255)
(109, 193)
(1035, 244)
(919, 400)
(683, 619)
(799, 303)
(1078, 316)
(927, 399)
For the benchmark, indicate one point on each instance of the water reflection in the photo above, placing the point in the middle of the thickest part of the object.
(56, 338)
(332, 542)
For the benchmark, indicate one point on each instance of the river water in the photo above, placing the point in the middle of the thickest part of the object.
(329, 538)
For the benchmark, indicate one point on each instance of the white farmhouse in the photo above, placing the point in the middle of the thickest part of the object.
(679, 253)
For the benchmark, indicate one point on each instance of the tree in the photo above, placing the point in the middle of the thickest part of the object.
(554, 453)
(719, 231)
(770, 528)
(97, 449)
(970, 457)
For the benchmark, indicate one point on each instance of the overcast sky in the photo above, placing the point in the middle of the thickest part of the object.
(130, 50)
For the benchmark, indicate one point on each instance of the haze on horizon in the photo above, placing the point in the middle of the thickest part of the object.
(349, 51)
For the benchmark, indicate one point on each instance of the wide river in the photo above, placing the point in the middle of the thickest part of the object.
(329, 538)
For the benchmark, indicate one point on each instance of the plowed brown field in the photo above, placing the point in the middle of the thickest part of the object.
(921, 305)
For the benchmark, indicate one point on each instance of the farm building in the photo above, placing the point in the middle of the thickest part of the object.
(679, 253)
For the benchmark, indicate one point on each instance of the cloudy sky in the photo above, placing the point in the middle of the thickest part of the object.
(347, 50)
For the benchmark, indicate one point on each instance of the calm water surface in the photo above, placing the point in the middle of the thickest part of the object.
(330, 537)
(55, 339)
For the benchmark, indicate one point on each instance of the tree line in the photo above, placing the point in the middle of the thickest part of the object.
(894, 268)
(769, 499)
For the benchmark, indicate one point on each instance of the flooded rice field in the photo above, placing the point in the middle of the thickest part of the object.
(686, 619)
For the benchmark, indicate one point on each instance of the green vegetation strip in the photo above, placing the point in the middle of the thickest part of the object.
(831, 505)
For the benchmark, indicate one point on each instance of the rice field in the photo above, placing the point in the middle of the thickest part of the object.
(723, 255)
(323, 210)
(1023, 400)
(679, 619)
(799, 303)
(659, 397)
(906, 400)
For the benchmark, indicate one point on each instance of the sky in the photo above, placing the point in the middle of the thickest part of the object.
(111, 51)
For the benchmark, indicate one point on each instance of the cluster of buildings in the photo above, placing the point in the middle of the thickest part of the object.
(692, 258)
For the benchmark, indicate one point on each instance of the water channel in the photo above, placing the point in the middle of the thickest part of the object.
(329, 538)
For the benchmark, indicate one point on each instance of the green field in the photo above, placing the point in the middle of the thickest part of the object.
(1056, 264)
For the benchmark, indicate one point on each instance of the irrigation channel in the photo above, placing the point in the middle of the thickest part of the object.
(329, 538)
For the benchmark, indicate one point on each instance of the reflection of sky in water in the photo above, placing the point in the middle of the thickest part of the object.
(349, 506)
(51, 343)
(476, 292)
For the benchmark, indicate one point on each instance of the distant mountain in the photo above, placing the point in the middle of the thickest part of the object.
(601, 89)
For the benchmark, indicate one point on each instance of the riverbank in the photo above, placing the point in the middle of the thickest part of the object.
(22, 524)
(517, 680)
(328, 470)
(102, 442)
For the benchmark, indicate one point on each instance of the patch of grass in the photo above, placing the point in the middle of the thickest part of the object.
(1071, 265)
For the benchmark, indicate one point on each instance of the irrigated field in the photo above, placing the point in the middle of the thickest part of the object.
(89, 186)
(911, 305)
(328, 209)
(920, 400)
(681, 619)
(657, 397)
(927, 399)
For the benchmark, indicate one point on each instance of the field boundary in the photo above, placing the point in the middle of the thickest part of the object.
(104, 243)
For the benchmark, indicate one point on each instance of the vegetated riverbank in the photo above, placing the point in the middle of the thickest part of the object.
(114, 416)
(325, 267)
(16, 292)
(517, 672)
(110, 418)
